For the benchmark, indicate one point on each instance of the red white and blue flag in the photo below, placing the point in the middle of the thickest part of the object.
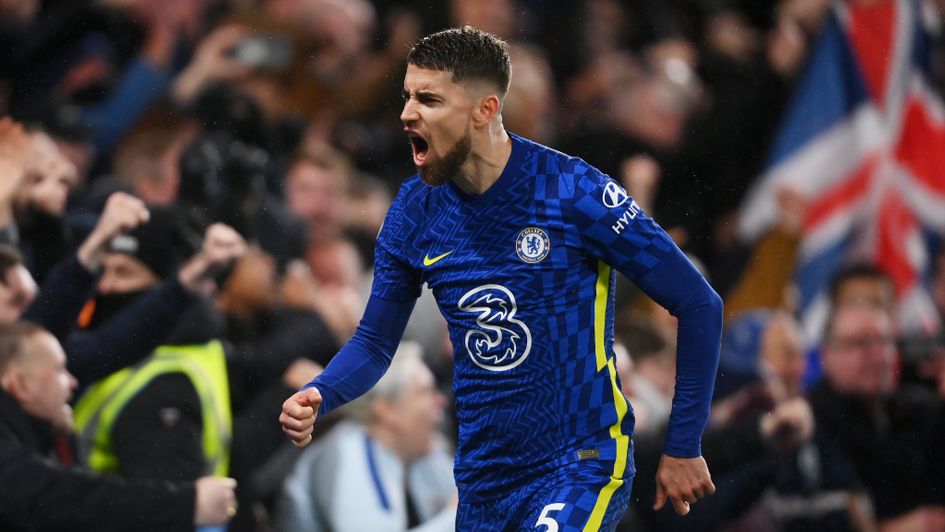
(864, 141)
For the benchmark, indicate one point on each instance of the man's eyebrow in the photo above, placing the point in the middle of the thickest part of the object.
(424, 94)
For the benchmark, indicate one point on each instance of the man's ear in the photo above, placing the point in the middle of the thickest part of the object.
(383, 410)
(486, 110)
(14, 382)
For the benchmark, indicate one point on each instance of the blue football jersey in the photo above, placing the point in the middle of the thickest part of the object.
(523, 275)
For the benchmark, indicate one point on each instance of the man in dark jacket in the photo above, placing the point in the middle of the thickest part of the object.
(70, 283)
(171, 423)
(43, 494)
(892, 437)
(145, 324)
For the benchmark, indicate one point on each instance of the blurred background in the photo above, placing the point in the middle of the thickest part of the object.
(794, 149)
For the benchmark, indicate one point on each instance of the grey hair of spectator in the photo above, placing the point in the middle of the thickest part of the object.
(406, 360)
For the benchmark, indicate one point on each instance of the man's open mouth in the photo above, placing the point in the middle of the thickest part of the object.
(420, 148)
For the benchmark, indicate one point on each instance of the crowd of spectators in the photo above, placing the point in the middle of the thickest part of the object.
(189, 196)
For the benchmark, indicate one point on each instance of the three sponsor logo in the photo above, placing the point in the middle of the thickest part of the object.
(500, 341)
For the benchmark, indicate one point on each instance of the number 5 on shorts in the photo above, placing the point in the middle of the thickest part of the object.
(543, 519)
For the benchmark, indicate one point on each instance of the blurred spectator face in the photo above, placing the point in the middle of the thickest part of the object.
(146, 163)
(656, 106)
(437, 114)
(39, 381)
(341, 25)
(415, 414)
(123, 274)
(877, 293)
(786, 47)
(336, 263)
(528, 106)
(251, 288)
(809, 14)
(730, 34)
(346, 24)
(782, 353)
(605, 23)
(79, 153)
(646, 111)
(50, 178)
(367, 207)
(316, 194)
(17, 291)
(859, 352)
(494, 16)
(17, 13)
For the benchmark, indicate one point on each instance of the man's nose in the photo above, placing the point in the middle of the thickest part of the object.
(409, 113)
(104, 286)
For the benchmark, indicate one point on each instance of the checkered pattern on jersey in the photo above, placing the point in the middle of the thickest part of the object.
(529, 395)
(623, 236)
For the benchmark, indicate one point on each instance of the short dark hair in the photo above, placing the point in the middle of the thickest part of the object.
(9, 258)
(12, 338)
(467, 53)
(857, 270)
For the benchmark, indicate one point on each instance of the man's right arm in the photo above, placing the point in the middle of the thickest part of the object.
(366, 357)
(353, 371)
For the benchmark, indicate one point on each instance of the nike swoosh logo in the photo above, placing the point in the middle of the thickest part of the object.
(427, 261)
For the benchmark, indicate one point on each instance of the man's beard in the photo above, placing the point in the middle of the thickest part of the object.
(436, 173)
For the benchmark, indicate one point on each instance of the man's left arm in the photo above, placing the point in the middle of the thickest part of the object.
(614, 228)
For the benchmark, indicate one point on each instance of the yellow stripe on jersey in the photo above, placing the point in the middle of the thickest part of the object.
(600, 313)
(620, 403)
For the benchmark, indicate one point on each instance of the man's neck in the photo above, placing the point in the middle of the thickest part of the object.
(490, 153)
(385, 437)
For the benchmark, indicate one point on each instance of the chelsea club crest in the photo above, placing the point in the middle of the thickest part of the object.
(532, 245)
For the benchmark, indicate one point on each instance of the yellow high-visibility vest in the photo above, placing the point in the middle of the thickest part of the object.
(205, 367)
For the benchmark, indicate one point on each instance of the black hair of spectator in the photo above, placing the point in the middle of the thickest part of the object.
(467, 53)
(9, 257)
(640, 337)
(224, 109)
(162, 244)
(856, 270)
(62, 120)
(12, 337)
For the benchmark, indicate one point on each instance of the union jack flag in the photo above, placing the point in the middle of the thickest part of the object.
(864, 141)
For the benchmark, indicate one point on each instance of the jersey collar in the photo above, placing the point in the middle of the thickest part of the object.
(512, 168)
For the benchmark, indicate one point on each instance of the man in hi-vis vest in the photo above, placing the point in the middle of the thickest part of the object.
(167, 417)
